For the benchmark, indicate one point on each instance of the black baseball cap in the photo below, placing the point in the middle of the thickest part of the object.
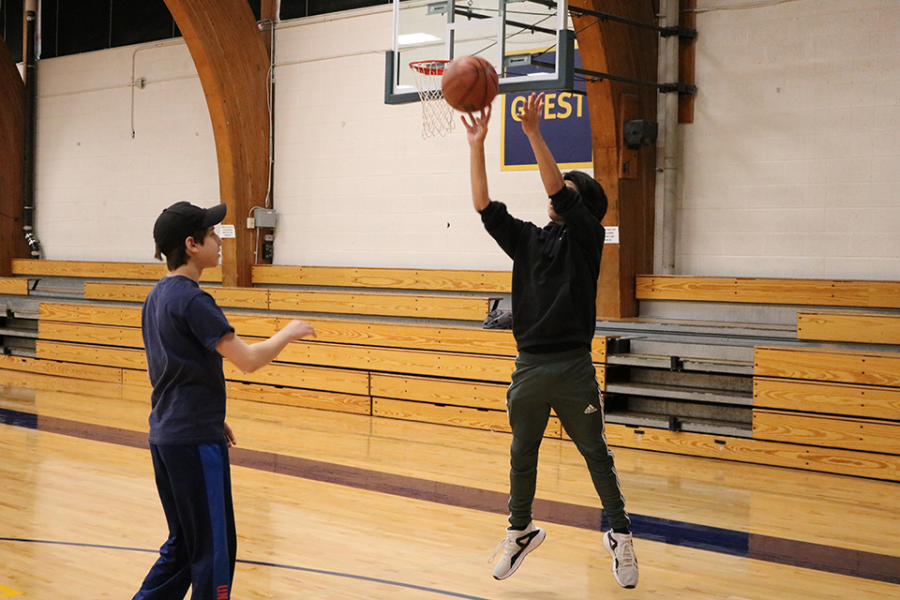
(182, 220)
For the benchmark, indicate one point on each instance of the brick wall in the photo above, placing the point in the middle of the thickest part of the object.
(790, 169)
(792, 166)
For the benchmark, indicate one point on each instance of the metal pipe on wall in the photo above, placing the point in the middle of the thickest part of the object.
(30, 25)
(667, 148)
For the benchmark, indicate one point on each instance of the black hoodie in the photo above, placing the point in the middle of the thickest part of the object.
(555, 273)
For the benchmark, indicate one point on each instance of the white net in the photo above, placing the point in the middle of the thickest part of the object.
(438, 117)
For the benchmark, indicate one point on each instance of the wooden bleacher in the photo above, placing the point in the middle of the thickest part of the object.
(13, 286)
(137, 292)
(760, 290)
(845, 326)
(831, 409)
(835, 399)
(397, 279)
(454, 373)
(36, 269)
(464, 308)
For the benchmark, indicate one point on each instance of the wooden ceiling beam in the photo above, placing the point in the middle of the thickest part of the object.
(628, 176)
(12, 162)
(233, 65)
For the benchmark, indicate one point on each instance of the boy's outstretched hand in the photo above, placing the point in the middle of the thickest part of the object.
(299, 329)
(477, 129)
(531, 114)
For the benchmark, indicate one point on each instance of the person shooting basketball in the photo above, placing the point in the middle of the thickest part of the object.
(554, 290)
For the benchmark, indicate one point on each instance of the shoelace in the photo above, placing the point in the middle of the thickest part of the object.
(625, 555)
(505, 543)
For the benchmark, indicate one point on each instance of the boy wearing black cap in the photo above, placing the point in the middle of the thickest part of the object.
(554, 290)
(186, 335)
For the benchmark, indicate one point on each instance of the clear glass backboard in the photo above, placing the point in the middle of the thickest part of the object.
(529, 42)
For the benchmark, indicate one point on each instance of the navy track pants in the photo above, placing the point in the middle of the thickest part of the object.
(194, 483)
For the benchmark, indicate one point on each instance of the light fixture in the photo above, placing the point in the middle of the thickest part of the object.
(416, 38)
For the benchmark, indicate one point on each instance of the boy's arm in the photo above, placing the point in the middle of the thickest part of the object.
(476, 131)
(531, 120)
(583, 227)
(502, 227)
(252, 357)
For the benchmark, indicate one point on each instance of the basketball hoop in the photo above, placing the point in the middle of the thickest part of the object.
(437, 116)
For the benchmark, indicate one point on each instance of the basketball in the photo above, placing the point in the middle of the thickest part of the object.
(469, 83)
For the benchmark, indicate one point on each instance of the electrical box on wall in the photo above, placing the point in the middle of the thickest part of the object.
(264, 217)
(268, 248)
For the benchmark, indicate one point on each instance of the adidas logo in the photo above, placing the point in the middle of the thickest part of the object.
(590, 409)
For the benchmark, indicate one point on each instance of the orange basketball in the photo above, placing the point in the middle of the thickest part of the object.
(469, 83)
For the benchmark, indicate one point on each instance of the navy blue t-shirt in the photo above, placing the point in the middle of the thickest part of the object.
(182, 325)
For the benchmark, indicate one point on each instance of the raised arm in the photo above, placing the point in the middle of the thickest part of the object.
(531, 120)
(252, 357)
(476, 131)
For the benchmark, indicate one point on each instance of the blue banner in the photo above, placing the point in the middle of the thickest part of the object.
(566, 125)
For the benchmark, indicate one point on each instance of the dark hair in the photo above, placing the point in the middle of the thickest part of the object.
(179, 256)
(591, 192)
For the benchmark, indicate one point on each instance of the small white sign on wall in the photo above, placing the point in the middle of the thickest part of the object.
(612, 235)
(228, 232)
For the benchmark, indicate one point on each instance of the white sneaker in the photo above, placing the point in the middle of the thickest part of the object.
(516, 545)
(624, 567)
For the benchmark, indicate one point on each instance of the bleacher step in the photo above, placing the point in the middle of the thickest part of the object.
(675, 363)
(710, 349)
(21, 333)
(691, 394)
(688, 424)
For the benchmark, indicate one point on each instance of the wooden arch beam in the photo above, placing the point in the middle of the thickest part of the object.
(629, 177)
(12, 160)
(233, 65)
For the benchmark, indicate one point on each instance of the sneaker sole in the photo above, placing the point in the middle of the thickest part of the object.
(613, 568)
(540, 539)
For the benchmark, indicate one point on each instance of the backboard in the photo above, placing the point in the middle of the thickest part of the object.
(529, 42)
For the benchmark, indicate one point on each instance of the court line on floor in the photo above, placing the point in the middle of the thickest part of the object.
(6, 592)
(257, 563)
(819, 557)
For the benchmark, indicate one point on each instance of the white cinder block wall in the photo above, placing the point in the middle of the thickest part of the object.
(355, 183)
(792, 166)
(98, 189)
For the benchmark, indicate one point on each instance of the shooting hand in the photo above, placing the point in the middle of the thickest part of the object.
(531, 114)
(477, 129)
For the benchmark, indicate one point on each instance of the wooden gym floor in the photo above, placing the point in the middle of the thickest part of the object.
(334, 506)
